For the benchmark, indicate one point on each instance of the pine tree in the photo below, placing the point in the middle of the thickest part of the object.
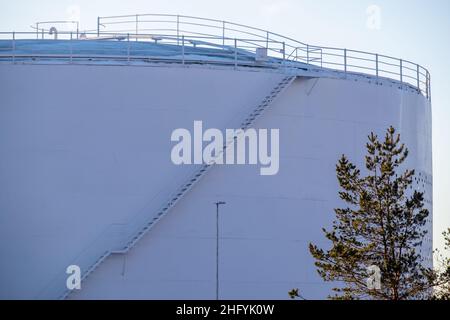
(382, 225)
(442, 276)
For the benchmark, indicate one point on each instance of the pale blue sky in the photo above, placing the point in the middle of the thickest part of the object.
(416, 30)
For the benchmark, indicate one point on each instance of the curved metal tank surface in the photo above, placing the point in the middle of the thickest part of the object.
(87, 147)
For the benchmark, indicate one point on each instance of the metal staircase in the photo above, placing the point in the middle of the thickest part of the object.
(128, 242)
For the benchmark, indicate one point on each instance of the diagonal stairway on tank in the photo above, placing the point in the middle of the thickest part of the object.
(89, 260)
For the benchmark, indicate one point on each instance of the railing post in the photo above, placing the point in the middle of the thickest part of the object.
(14, 48)
(418, 77)
(376, 64)
(345, 61)
(71, 47)
(178, 29)
(321, 58)
(137, 26)
(37, 31)
(235, 53)
(401, 71)
(128, 47)
(98, 27)
(284, 50)
(267, 40)
(182, 48)
(307, 53)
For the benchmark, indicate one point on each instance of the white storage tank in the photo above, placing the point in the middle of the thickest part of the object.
(87, 177)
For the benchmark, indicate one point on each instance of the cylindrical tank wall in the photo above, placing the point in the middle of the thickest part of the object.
(84, 147)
